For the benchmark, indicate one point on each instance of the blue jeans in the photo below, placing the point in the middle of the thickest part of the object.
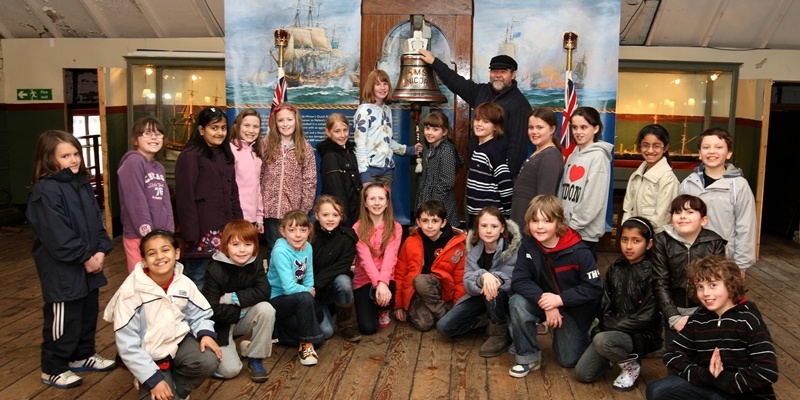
(465, 315)
(196, 270)
(295, 319)
(340, 291)
(675, 387)
(569, 341)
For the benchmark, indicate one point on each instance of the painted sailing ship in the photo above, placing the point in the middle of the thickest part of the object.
(508, 46)
(311, 57)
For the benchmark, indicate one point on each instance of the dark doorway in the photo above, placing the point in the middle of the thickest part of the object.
(781, 209)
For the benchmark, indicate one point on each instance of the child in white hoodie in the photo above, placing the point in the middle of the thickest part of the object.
(162, 324)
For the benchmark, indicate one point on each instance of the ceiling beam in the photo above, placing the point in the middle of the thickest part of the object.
(771, 25)
(150, 16)
(5, 33)
(722, 6)
(106, 27)
(42, 16)
(214, 29)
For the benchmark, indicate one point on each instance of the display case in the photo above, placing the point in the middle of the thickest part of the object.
(173, 87)
(686, 98)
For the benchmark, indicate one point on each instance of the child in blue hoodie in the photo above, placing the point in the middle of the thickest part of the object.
(556, 280)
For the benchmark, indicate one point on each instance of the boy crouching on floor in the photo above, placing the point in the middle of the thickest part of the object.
(725, 349)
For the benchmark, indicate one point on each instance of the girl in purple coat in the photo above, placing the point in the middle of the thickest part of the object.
(206, 193)
(143, 192)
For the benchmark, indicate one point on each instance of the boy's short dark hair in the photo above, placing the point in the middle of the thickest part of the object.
(434, 208)
(718, 132)
(695, 203)
(716, 268)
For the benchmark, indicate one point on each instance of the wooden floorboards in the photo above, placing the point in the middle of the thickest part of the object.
(398, 362)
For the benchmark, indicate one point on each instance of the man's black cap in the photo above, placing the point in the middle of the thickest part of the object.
(503, 62)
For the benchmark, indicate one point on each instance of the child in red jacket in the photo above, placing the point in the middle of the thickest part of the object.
(430, 268)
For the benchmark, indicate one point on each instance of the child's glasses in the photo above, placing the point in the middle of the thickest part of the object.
(647, 146)
(152, 134)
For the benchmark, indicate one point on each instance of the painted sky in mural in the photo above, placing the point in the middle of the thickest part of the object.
(323, 51)
(531, 32)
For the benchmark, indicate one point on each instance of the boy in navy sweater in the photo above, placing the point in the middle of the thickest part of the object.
(725, 349)
(557, 282)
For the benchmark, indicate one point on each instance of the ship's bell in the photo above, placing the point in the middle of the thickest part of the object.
(417, 82)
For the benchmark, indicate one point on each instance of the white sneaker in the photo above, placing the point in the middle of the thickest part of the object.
(307, 354)
(66, 379)
(93, 363)
(244, 345)
(628, 376)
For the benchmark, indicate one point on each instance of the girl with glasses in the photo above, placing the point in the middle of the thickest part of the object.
(143, 192)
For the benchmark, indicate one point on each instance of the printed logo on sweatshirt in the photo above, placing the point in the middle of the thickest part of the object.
(593, 274)
(300, 268)
(576, 172)
(570, 192)
(183, 293)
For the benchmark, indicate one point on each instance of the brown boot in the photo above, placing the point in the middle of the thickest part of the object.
(346, 322)
(498, 341)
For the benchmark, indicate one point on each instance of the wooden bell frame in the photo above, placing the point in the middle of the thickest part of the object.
(454, 18)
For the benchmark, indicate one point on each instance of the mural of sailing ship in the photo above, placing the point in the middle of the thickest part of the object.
(311, 58)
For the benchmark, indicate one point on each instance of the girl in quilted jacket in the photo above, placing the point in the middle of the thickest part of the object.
(289, 179)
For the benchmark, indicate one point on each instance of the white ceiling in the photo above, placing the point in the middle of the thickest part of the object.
(739, 24)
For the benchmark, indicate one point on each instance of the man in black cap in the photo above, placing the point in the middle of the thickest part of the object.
(502, 90)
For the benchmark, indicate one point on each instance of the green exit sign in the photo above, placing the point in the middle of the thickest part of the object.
(34, 94)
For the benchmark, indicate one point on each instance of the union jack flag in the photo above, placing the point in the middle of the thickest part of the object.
(570, 103)
(280, 89)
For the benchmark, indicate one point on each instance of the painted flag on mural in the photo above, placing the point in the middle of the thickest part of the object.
(570, 103)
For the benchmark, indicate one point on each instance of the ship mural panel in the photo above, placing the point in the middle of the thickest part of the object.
(320, 60)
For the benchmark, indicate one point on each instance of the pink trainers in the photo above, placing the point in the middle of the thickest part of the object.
(383, 319)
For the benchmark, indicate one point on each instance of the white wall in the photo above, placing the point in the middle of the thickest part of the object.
(779, 65)
(39, 63)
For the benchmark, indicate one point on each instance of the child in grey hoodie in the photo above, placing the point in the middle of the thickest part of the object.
(586, 181)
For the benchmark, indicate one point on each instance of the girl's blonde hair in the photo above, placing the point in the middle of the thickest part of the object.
(273, 147)
(437, 119)
(377, 75)
(551, 208)
(333, 201)
(297, 218)
(334, 119)
(237, 123)
(366, 228)
(44, 158)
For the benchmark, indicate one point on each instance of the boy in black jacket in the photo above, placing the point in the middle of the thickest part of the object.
(725, 350)
(236, 286)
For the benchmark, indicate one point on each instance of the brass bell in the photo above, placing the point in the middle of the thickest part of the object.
(417, 81)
